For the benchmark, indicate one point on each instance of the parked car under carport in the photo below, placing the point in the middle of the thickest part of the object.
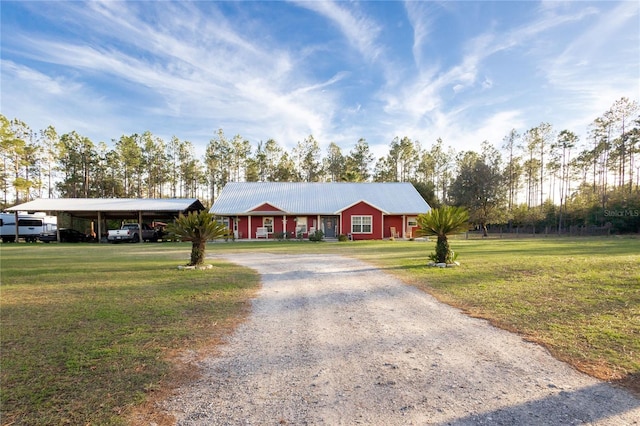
(67, 235)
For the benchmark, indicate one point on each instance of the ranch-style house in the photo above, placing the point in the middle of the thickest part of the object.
(362, 211)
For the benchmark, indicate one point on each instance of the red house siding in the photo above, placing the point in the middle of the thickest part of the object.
(312, 221)
(257, 222)
(411, 230)
(254, 223)
(241, 228)
(266, 207)
(363, 209)
(290, 227)
(395, 222)
(381, 224)
(278, 225)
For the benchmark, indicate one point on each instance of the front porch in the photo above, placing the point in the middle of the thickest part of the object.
(271, 226)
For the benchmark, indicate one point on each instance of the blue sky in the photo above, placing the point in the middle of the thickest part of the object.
(463, 71)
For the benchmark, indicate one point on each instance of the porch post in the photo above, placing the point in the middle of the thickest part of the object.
(249, 226)
(236, 228)
(404, 226)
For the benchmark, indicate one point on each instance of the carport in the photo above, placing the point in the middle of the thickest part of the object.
(103, 209)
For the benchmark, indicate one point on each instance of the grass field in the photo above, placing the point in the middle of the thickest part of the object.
(88, 331)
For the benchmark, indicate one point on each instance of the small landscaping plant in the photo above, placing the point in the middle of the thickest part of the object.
(197, 227)
(316, 236)
(440, 223)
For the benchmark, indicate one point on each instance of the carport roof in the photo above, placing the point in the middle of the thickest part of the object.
(113, 207)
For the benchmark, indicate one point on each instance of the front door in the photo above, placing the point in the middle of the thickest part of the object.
(330, 226)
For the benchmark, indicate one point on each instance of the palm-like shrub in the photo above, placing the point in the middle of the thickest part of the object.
(440, 223)
(197, 227)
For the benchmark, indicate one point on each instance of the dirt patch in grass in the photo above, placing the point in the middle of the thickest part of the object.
(631, 382)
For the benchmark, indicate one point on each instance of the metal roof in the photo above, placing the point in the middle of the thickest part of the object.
(112, 207)
(238, 198)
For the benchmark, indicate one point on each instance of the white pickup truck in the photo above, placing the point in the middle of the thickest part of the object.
(130, 232)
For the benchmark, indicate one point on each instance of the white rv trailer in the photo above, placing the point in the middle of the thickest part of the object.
(30, 226)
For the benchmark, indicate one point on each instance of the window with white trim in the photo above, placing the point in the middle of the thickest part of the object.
(267, 222)
(301, 224)
(361, 224)
(412, 222)
(224, 221)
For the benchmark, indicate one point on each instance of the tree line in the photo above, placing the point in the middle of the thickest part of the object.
(540, 177)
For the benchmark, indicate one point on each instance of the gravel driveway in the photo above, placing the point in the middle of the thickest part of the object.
(335, 341)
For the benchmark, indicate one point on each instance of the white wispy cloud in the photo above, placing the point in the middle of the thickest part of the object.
(360, 30)
(189, 68)
(588, 52)
(40, 82)
(58, 101)
(197, 67)
(421, 16)
(426, 101)
(588, 73)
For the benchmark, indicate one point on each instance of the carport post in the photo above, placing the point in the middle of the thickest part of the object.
(140, 226)
(17, 229)
(99, 227)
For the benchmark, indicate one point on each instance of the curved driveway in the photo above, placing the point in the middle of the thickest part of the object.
(334, 341)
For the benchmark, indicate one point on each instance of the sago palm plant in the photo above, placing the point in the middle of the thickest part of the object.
(197, 227)
(440, 223)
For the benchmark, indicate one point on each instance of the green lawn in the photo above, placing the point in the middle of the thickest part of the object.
(88, 331)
